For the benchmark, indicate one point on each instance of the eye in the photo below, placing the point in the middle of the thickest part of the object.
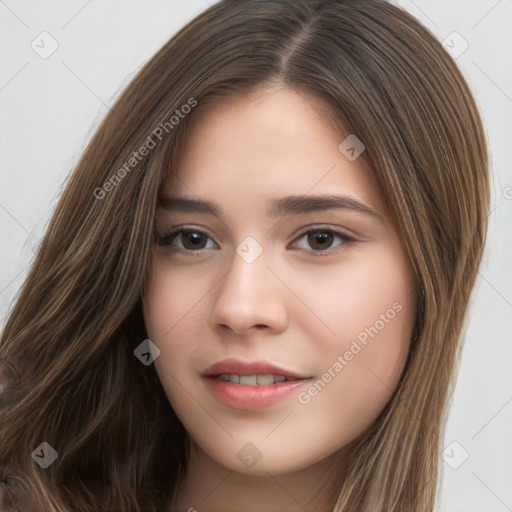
(320, 240)
(187, 239)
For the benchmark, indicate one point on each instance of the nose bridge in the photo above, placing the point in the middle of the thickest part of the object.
(248, 295)
(249, 265)
(248, 278)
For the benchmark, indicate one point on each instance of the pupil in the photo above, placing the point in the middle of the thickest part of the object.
(320, 238)
(195, 239)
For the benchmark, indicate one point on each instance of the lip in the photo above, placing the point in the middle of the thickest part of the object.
(242, 397)
(249, 368)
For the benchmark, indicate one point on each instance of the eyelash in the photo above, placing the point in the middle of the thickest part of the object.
(346, 239)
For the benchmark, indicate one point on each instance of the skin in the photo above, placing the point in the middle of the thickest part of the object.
(289, 306)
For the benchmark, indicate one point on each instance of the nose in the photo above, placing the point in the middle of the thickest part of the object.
(250, 297)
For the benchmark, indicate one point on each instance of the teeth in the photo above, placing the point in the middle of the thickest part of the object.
(253, 380)
(248, 380)
(265, 380)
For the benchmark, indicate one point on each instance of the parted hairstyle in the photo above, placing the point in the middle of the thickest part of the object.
(72, 331)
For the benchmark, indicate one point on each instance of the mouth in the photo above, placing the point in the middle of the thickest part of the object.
(250, 372)
(251, 385)
(254, 380)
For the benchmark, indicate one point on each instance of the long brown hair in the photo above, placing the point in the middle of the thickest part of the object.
(376, 72)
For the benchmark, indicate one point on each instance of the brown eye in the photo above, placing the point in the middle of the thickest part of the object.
(322, 241)
(187, 239)
(193, 240)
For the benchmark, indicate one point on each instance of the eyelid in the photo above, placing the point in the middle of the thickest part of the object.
(335, 231)
(172, 232)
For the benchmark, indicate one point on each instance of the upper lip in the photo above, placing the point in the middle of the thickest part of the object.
(239, 367)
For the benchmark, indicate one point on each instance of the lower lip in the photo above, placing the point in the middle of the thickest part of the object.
(239, 396)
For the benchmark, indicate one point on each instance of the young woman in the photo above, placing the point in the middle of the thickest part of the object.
(252, 292)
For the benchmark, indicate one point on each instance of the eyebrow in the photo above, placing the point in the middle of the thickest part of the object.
(277, 207)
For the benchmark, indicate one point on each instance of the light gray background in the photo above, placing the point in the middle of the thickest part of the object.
(50, 107)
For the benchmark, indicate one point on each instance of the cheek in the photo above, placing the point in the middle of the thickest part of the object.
(176, 307)
(168, 304)
(374, 291)
(170, 298)
(369, 306)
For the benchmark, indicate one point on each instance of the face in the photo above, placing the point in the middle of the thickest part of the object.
(276, 260)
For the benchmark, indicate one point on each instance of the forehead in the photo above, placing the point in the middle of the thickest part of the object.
(271, 141)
